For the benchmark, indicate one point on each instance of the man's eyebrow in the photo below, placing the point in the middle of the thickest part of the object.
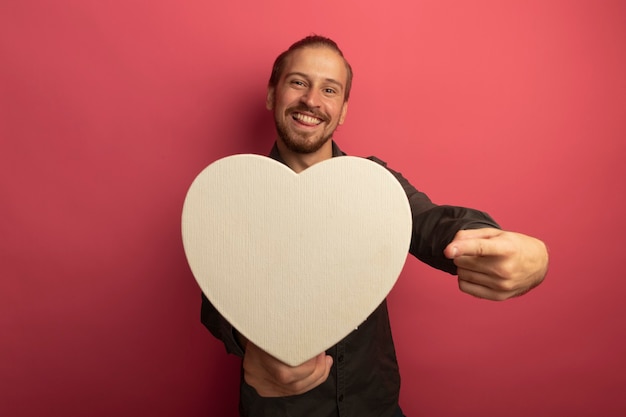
(303, 75)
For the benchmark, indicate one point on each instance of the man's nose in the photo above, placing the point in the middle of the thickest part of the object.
(311, 98)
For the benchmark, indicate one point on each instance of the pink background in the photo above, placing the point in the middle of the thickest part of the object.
(108, 110)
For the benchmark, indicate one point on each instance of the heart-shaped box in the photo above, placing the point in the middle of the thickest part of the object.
(295, 262)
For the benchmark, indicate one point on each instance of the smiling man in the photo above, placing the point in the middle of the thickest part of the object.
(309, 101)
(308, 94)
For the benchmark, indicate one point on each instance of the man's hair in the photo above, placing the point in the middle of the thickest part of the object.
(310, 41)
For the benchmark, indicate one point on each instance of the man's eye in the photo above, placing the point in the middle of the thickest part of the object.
(297, 82)
(329, 91)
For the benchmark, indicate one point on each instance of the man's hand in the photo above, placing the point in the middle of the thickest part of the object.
(497, 265)
(273, 378)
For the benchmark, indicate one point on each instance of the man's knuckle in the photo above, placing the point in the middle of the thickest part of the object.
(507, 285)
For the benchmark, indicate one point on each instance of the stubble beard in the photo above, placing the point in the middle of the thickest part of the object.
(298, 142)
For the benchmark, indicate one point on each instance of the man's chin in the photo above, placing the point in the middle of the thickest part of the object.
(304, 146)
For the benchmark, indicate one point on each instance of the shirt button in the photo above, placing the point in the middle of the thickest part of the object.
(340, 398)
(340, 358)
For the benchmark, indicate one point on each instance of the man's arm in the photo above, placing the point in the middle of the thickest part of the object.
(490, 263)
(435, 226)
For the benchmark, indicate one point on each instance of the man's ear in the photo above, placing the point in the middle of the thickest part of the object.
(269, 99)
(344, 111)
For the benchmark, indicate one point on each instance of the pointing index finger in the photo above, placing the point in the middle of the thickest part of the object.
(485, 233)
(468, 247)
(477, 242)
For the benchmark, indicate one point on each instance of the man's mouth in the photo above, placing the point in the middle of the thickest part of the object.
(306, 119)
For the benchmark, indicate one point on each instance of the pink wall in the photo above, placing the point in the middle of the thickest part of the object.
(108, 110)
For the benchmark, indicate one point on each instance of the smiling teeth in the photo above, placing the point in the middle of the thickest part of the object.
(307, 119)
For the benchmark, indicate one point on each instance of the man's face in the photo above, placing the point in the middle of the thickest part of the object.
(308, 100)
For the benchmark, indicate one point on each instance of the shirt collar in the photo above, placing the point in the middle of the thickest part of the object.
(274, 154)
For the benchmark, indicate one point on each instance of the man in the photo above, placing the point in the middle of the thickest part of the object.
(308, 94)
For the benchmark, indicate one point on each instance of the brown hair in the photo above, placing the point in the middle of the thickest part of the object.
(310, 41)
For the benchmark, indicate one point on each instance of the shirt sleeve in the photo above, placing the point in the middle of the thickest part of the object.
(219, 327)
(435, 226)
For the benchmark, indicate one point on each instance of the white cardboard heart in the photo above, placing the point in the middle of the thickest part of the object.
(295, 262)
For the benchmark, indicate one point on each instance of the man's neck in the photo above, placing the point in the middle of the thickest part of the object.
(301, 161)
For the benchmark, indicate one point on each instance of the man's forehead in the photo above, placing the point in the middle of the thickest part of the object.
(314, 59)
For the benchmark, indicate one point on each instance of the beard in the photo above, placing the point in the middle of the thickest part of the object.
(299, 142)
